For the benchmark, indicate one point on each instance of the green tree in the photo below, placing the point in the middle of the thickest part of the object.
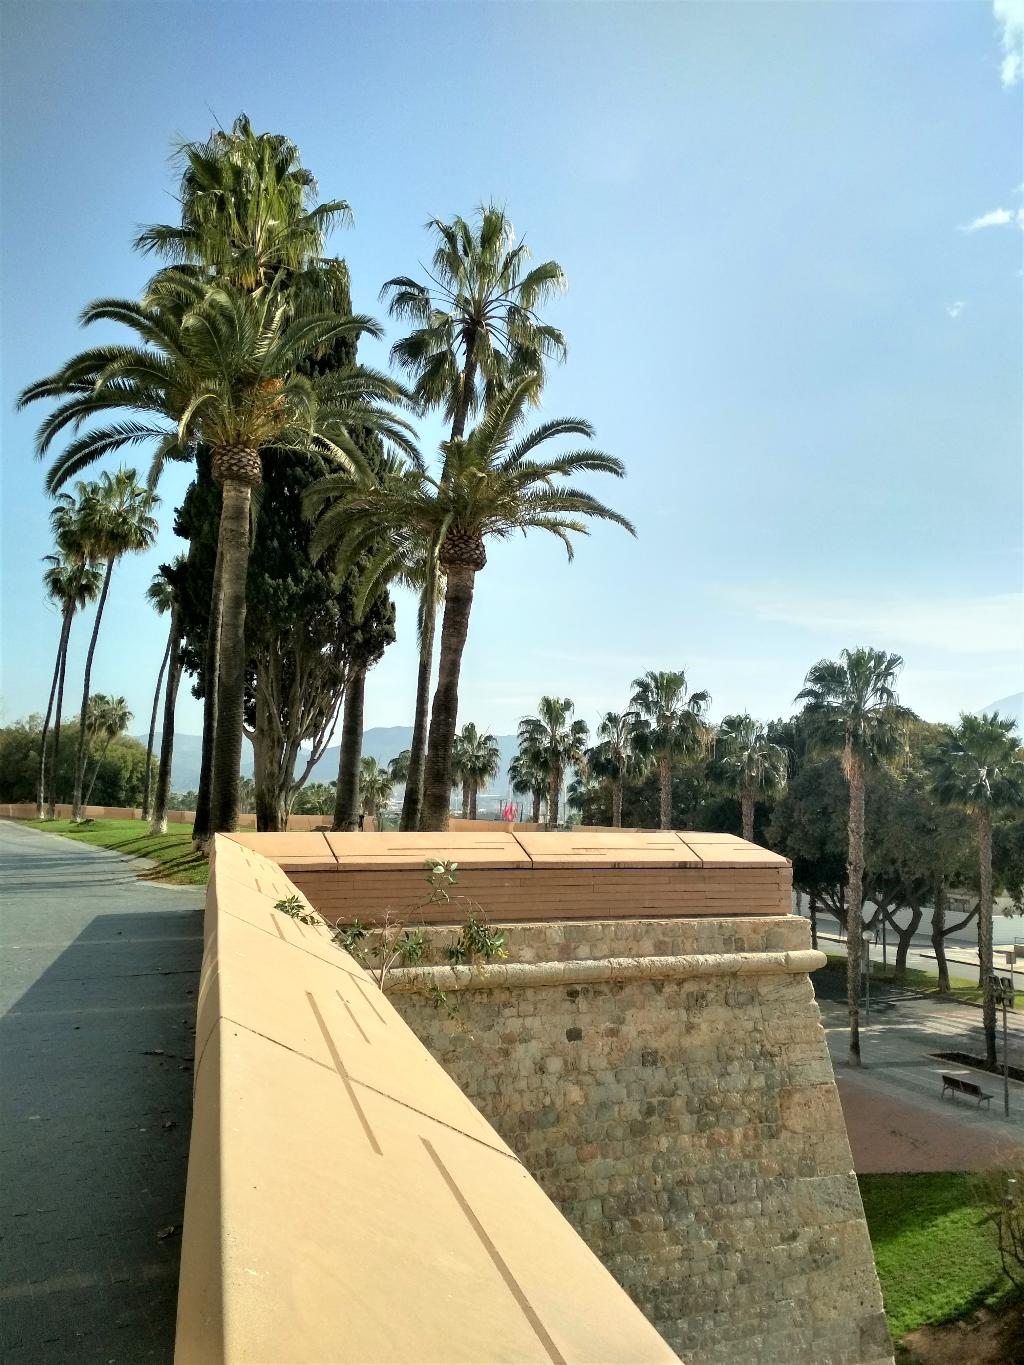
(116, 520)
(851, 707)
(978, 766)
(375, 788)
(558, 742)
(72, 582)
(315, 798)
(492, 484)
(160, 596)
(222, 372)
(173, 575)
(670, 726)
(477, 760)
(476, 330)
(747, 763)
(398, 766)
(527, 777)
(107, 717)
(614, 759)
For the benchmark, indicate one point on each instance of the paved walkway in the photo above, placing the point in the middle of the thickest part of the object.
(98, 1005)
(895, 1116)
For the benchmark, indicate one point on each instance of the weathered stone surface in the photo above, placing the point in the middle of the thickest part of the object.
(686, 1120)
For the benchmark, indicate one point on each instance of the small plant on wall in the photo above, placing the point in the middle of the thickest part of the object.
(395, 944)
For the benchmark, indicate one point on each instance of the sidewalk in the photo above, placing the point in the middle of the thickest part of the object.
(98, 1000)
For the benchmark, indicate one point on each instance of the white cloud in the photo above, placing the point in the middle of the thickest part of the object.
(1009, 16)
(990, 624)
(997, 218)
(955, 309)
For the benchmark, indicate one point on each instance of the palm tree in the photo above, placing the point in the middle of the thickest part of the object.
(491, 485)
(170, 574)
(979, 767)
(476, 330)
(248, 210)
(614, 757)
(527, 777)
(851, 706)
(557, 741)
(478, 760)
(670, 726)
(218, 367)
(160, 596)
(748, 764)
(107, 717)
(116, 520)
(398, 767)
(375, 787)
(72, 582)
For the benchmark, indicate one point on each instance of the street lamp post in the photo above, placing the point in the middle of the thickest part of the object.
(1002, 989)
(868, 938)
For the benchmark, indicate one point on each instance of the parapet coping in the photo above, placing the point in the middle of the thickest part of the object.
(519, 975)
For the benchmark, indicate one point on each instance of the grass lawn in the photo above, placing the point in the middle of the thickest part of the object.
(964, 989)
(937, 1260)
(172, 852)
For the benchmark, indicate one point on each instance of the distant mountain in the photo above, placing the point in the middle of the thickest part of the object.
(1010, 706)
(382, 742)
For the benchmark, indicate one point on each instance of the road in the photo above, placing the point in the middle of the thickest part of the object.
(98, 1000)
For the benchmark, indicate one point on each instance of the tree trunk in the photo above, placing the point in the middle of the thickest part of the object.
(467, 379)
(271, 812)
(202, 825)
(905, 938)
(80, 753)
(152, 729)
(51, 811)
(535, 817)
(473, 790)
(939, 933)
(617, 802)
(985, 931)
(233, 546)
(665, 785)
(412, 802)
(854, 896)
(96, 770)
(65, 631)
(437, 776)
(158, 822)
(346, 796)
(747, 809)
(554, 782)
(467, 798)
(812, 910)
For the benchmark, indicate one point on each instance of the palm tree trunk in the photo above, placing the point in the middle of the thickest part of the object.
(437, 775)
(96, 769)
(467, 798)
(535, 817)
(80, 753)
(665, 784)
(854, 896)
(51, 810)
(346, 797)
(202, 826)
(617, 802)
(473, 790)
(467, 380)
(412, 802)
(158, 822)
(65, 631)
(233, 547)
(152, 729)
(939, 933)
(747, 809)
(812, 910)
(985, 931)
(553, 784)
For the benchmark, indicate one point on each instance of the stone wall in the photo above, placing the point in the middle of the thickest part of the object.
(668, 1084)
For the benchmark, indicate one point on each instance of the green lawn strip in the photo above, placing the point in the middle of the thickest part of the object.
(968, 992)
(172, 852)
(936, 1256)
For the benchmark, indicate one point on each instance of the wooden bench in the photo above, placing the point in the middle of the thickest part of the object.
(956, 1085)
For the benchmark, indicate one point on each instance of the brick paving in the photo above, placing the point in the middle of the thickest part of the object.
(98, 999)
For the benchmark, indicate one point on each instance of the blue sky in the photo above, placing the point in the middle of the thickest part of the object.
(792, 239)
